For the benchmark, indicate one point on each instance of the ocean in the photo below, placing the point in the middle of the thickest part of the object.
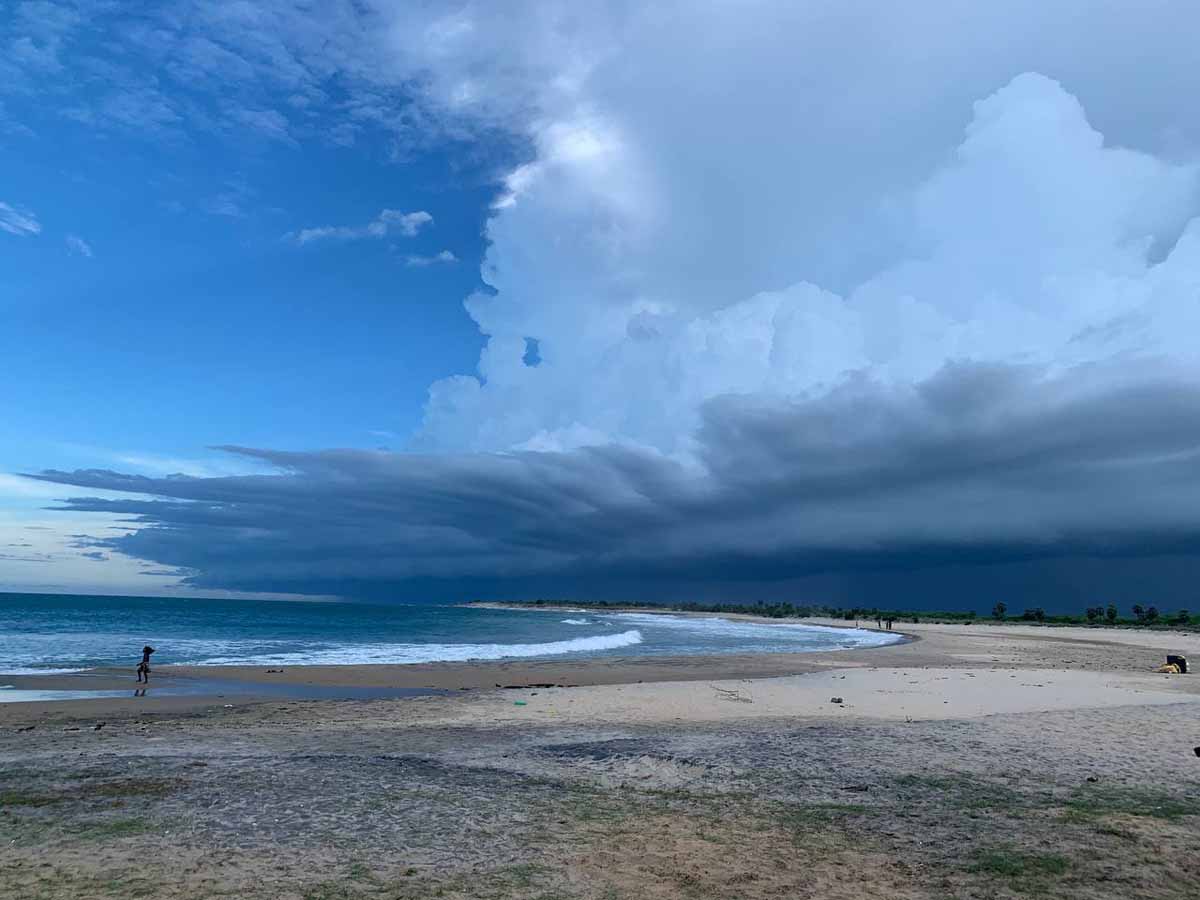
(42, 634)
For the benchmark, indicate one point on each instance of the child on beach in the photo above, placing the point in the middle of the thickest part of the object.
(143, 669)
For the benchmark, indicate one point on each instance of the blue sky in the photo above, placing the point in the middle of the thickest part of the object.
(192, 295)
(849, 301)
(152, 302)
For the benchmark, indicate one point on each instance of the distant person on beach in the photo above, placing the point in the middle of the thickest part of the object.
(143, 669)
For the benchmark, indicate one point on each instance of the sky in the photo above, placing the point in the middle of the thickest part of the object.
(837, 303)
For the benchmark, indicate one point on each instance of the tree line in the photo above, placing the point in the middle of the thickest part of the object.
(1109, 614)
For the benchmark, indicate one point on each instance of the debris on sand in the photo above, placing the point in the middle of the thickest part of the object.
(734, 694)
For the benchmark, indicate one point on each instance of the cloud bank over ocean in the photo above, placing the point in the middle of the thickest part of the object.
(813, 291)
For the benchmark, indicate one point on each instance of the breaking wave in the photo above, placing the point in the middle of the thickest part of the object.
(401, 654)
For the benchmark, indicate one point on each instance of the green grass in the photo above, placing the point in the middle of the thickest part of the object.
(28, 798)
(959, 791)
(54, 884)
(1088, 804)
(820, 815)
(595, 808)
(33, 830)
(1016, 865)
(101, 790)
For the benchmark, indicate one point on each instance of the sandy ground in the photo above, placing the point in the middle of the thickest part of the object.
(974, 762)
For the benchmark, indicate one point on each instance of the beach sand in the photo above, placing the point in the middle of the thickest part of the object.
(974, 761)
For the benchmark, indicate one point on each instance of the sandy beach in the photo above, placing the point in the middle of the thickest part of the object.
(972, 761)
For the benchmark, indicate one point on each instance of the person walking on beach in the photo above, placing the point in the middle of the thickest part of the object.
(143, 669)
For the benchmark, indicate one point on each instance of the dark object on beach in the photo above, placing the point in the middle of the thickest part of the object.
(274, 671)
(1181, 661)
(31, 727)
(97, 726)
(1196, 749)
(835, 699)
(1092, 779)
(860, 788)
(143, 669)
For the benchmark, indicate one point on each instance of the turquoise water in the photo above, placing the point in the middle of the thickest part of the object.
(44, 634)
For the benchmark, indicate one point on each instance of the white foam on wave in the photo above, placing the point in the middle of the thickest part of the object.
(26, 670)
(576, 622)
(813, 637)
(408, 654)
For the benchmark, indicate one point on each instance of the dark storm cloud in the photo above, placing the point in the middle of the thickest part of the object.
(980, 465)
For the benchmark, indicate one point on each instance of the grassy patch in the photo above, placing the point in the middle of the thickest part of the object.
(28, 798)
(102, 790)
(819, 815)
(1022, 870)
(592, 808)
(129, 787)
(45, 883)
(359, 871)
(959, 791)
(1086, 805)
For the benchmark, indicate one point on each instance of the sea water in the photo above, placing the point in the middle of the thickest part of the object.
(42, 634)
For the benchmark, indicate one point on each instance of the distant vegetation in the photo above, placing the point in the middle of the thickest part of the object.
(1108, 615)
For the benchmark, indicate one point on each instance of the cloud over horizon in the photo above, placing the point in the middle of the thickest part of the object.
(980, 463)
(864, 290)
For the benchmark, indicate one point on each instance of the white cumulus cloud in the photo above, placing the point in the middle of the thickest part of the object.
(803, 208)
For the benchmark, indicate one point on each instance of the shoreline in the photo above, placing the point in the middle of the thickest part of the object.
(928, 647)
(181, 682)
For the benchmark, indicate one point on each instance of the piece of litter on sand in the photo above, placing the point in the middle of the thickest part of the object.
(97, 726)
(520, 703)
(835, 699)
(1197, 750)
(228, 706)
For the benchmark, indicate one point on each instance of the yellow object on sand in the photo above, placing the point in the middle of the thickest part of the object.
(1168, 669)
